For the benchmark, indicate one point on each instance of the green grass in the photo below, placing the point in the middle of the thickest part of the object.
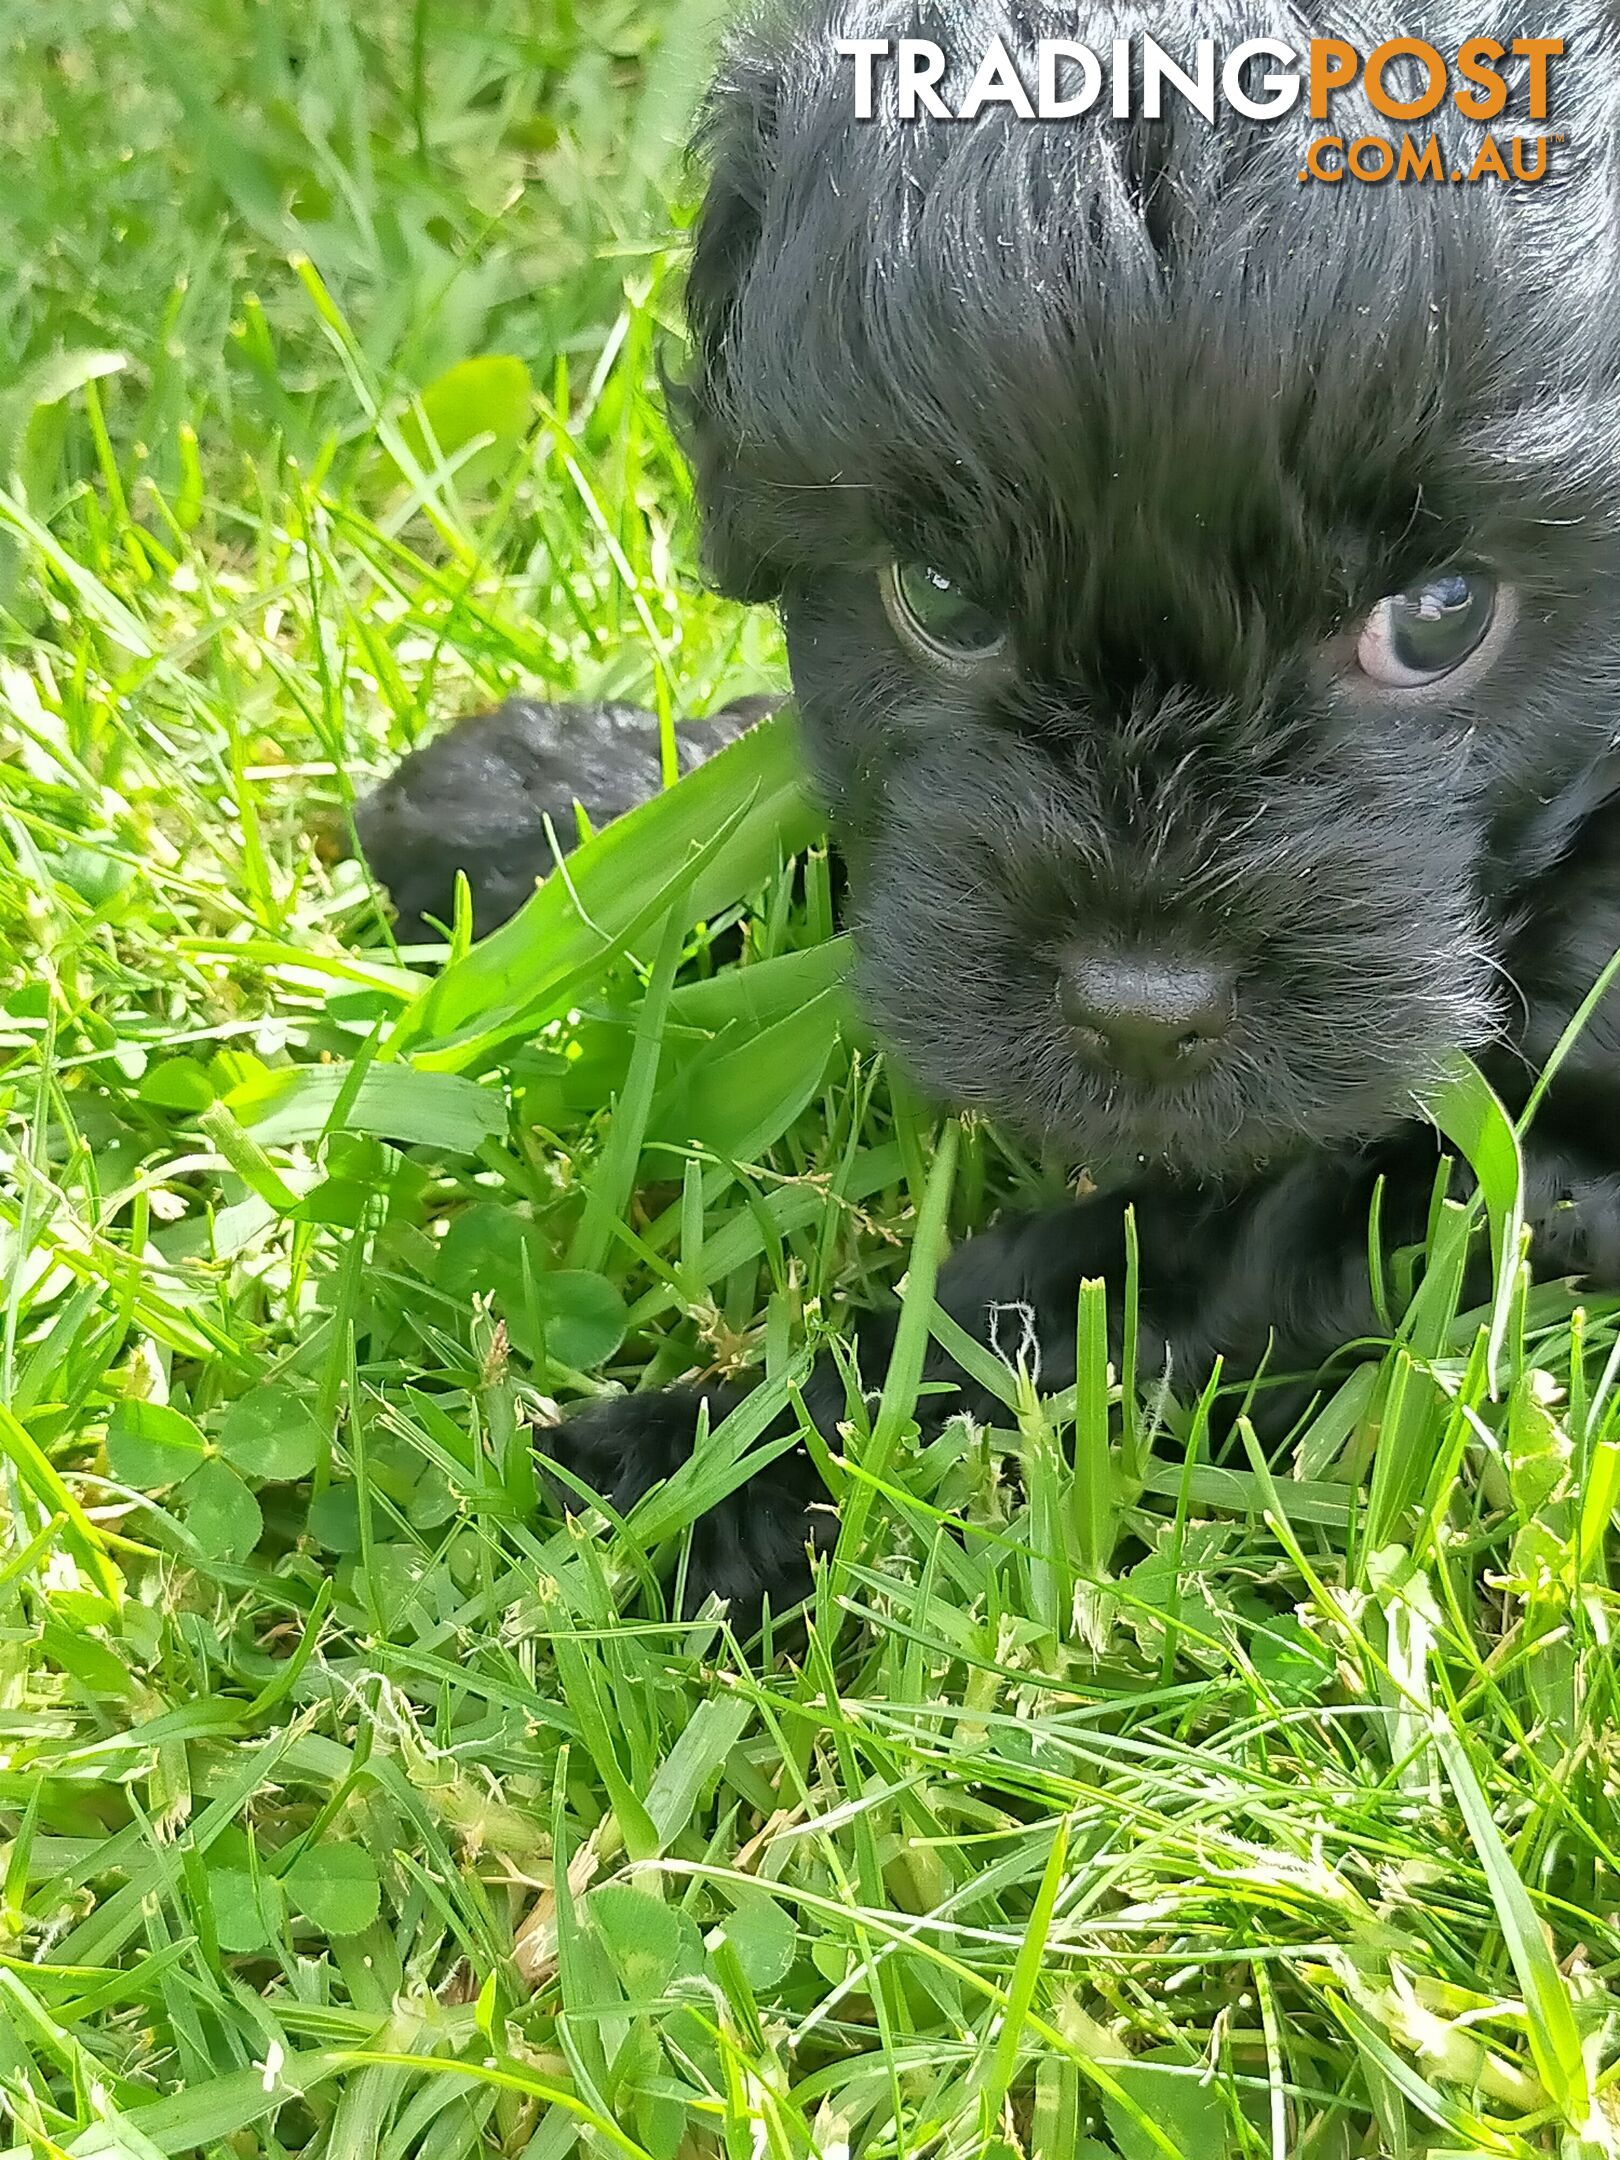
(1117, 1800)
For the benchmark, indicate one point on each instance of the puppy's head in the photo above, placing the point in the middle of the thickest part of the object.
(1200, 584)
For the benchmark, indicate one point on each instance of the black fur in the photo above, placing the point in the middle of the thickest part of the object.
(479, 800)
(1180, 422)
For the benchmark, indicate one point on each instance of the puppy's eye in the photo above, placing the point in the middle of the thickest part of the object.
(1418, 636)
(938, 619)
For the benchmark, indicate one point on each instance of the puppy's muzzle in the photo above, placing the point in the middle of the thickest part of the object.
(1148, 1016)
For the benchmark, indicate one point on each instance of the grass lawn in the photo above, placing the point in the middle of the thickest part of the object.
(1118, 1800)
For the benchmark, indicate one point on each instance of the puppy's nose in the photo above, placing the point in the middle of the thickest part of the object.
(1149, 1015)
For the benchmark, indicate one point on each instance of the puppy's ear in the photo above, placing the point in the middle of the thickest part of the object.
(736, 139)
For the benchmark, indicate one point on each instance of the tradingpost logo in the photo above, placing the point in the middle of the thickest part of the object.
(1494, 88)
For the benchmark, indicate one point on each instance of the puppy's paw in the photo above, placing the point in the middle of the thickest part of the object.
(478, 799)
(1574, 1211)
(756, 1547)
(624, 1445)
(752, 1547)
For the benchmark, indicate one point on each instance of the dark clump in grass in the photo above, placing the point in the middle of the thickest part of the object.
(1121, 1794)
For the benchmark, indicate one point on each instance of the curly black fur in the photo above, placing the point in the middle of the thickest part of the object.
(1180, 422)
(479, 799)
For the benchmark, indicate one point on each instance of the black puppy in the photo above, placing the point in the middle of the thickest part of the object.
(1203, 598)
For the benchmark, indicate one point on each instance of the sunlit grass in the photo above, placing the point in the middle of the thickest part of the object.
(1125, 1793)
